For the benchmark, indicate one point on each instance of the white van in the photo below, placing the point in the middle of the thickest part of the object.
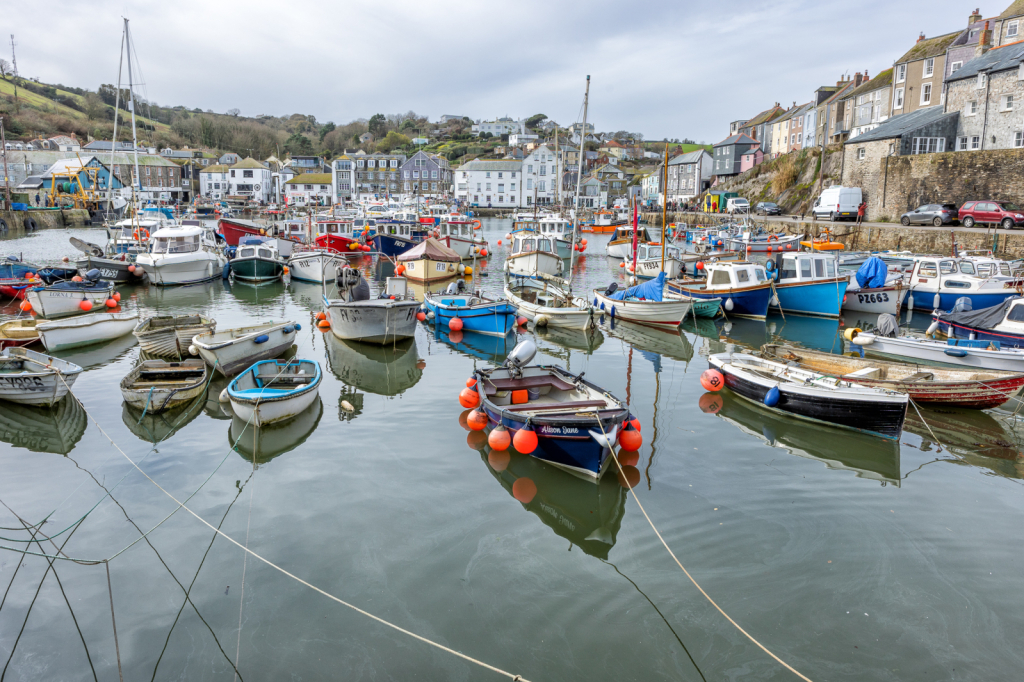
(837, 202)
(737, 205)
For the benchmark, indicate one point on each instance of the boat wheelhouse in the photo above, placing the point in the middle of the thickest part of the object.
(533, 255)
(621, 243)
(742, 285)
(649, 264)
(950, 279)
(809, 283)
(336, 235)
(181, 255)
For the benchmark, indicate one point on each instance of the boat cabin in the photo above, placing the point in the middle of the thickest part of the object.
(460, 230)
(256, 247)
(807, 267)
(404, 230)
(176, 240)
(554, 227)
(926, 268)
(626, 232)
(646, 252)
(406, 217)
(734, 275)
(527, 243)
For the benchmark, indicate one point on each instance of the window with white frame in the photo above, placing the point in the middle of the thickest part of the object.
(1011, 29)
(982, 77)
(1018, 139)
(928, 145)
(955, 66)
(926, 94)
(861, 153)
(929, 67)
(898, 99)
(1006, 103)
(961, 144)
(972, 108)
(976, 142)
(901, 73)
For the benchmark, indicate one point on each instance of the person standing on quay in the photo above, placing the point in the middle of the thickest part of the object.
(860, 212)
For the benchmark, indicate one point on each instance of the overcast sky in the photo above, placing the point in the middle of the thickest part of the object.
(681, 69)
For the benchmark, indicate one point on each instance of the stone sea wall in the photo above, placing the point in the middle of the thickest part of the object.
(45, 219)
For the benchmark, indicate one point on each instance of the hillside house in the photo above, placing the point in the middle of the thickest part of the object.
(988, 93)
(489, 183)
(426, 175)
(868, 105)
(309, 189)
(250, 178)
(918, 74)
(727, 154)
(540, 175)
(689, 175)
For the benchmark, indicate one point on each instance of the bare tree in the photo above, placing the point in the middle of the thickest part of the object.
(234, 112)
(5, 69)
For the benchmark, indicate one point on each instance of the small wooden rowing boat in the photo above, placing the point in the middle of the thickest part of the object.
(274, 390)
(981, 355)
(18, 333)
(65, 298)
(32, 378)
(229, 351)
(803, 393)
(85, 330)
(946, 386)
(170, 336)
(156, 386)
(644, 304)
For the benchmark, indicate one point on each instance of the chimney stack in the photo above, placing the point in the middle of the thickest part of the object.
(984, 42)
(920, 37)
(857, 79)
(974, 18)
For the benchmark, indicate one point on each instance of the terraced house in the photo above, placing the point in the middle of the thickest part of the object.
(426, 175)
(868, 106)
(309, 189)
(756, 127)
(489, 183)
(918, 75)
(377, 175)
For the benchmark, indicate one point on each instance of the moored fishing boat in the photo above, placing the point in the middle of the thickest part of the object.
(979, 354)
(808, 283)
(233, 229)
(621, 244)
(13, 267)
(229, 351)
(806, 394)
(430, 261)
(67, 298)
(156, 386)
(750, 242)
(474, 312)
(85, 330)
(938, 283)
(533, 254)
(873, 289)
(21, 332)
(356, 316)
(274, 390)
(170, 336)
(575, 421)
(32, 378)
(16, 288)
(181, 255)
(547, 302)
(743, 286)
(966, 387)
(1003, 323)
(257, 260)
(643, 304)
(394, 239)
(649, 261)
(314, 266)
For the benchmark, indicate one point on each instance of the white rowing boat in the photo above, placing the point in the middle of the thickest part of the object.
(32, 378)
(274, 390)
(85, 330)
(170, 336)
(229, 351)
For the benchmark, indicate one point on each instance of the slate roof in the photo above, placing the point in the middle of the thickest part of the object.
(929, 47)
(691, 157)
(902, 123)
(1000, 58)
(739, 138)
(764, 116)
(216, 168)
(1014, 10)
(482, 165)
(880, 81)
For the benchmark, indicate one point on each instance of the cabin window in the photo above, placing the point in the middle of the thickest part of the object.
(544, 245)
(957, 285)
(819, 267)
(720, 277)
(805, 268)
(788, 270)
(742, 276)
(264, 253)
(761, 277)
(1016, 313)
(245, 253)
(947, 267)
(927, 270)
(831, 265)
(1004, 269)
(967, 268)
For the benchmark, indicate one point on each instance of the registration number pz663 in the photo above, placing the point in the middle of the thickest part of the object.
(873, 298)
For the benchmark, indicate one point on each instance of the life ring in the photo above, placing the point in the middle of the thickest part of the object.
(773, 238)
(477, 224)
(138, 231)
(30, 223)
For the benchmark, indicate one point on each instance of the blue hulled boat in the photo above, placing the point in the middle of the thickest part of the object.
(808, 283)
(478, 314)
(1003, 323)
(14, 268)
(743, 287)
(394, 238)
(574, 420)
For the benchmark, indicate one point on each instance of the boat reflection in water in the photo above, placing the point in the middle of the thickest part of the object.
(494, 349)
(97, 355)
(867, 456)
(387, 370)
(54, 429)
(213, 407)
(653, 343)
(352, 397)
(253, 294)
(586, 515)
(817, 333)
(260, 444)
(574, 339)
(178, 300)
(156, 428)
(308, 295)
(983, 439)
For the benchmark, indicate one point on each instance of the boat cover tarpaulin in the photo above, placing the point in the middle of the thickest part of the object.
(251, 240)
(983, 318)
(648, 291)
(872, 273)
(432, 249)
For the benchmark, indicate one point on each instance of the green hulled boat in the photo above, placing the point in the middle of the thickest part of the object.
(257, 260)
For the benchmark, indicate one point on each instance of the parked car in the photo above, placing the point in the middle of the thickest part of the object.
(738, 205)
(837, 202)
(933, 214)
(767, 208)
(1006, 214)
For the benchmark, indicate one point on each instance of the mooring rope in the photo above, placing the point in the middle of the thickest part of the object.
(622, 476)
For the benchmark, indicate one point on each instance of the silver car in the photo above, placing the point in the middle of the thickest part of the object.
(931, 214)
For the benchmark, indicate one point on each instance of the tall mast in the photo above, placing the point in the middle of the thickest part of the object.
(664, 208)
(131, 104)
(113, 139)
(579, 181)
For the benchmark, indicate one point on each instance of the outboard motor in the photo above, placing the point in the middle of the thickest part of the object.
(887, 326)
(93, 275)
(521, 356)
(351, 285)
(456, 287)
(963, 304)
(612, 288)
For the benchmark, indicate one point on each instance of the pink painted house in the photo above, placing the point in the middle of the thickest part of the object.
(751, 158)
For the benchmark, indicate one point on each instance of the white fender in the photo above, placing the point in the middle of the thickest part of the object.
(862, 340)
(603, 440)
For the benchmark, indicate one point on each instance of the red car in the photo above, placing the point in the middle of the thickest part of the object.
(1006, 214)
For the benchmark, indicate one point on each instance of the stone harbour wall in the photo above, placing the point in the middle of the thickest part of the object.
(45, 219)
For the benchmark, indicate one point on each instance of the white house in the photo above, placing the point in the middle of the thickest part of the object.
(250, 178)
(540, 177)
(489, 183)
(650, 185)
(213, 181)
(593, 193)
(502, 126)
(420, 140)
(519, 139)
(309, 189)
(343, 178)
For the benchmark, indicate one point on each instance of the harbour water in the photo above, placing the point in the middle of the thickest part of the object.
(847, 556)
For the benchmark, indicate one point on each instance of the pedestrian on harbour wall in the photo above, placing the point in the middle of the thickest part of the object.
(37, 199)
(860, 212)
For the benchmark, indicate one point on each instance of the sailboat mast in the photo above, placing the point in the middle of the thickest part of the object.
(579, 181)
(664, 207)
(131, 104)
(113, 139)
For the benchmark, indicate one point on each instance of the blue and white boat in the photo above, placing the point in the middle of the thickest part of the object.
(808, 283)
(274, 390)
(14, 268)
(937, 283)
(743, 287)
(478, 314)
(394, 238)
(575, 420)
(1002, 323)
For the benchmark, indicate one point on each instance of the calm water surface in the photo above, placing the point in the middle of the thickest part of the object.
(848, 556)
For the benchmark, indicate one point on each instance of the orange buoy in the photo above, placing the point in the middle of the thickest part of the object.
(497, 459)
(524, 490)
(25, 306)
(700, 265)
(111, 303)
(117, 296)
(455, 336)
(521, 321)
(749, 248)
(483, 253)
(622, 265)
(65, 259)
(286, 270)
(712, 380)
(400, 270)
(710, 403)
(470, 382)
(477, 420)
(420, 364)
(476, 440)
(630, 438)
(76, 278)
(499, 242)
(629, 477)
(499, 439)
(321, 316)
(324, 325)
(455, 324)
(421, 316)
(635, 422)
(628, 458)
(131, 268)
(469, 397)
(525, 440)
(85, 305)
(583, 241)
